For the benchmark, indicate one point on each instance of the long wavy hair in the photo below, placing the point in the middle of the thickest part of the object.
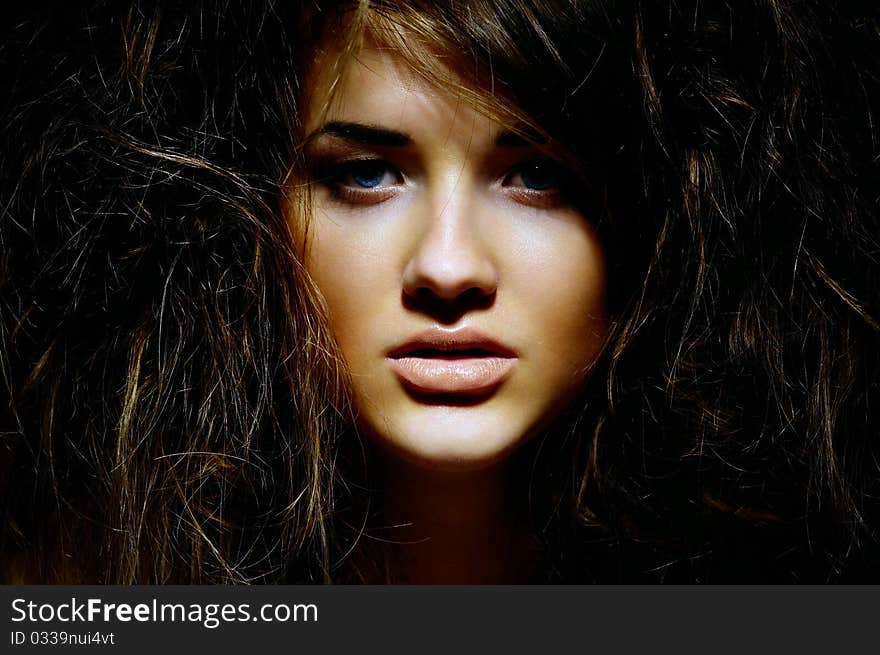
(174, 409)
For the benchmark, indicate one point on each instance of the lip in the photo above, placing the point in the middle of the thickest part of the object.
(463, 362)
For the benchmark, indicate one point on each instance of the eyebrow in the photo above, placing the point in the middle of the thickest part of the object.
(371, 135)
(364, 134)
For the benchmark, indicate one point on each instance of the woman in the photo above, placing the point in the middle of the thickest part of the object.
(420, 292)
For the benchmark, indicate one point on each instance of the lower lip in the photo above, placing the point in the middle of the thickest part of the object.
(468, 376)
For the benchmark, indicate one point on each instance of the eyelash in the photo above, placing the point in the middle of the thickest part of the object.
(549, 197)
(337, 178)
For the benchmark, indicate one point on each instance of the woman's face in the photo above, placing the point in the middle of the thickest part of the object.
(464, 289)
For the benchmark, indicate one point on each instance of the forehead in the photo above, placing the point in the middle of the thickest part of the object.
(378, 86)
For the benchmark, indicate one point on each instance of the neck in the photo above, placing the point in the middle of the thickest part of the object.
(453, 527)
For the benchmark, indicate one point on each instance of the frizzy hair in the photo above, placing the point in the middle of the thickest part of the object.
(175, 410)
(171, 387)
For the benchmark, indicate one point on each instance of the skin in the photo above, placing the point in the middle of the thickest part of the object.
(449, 232)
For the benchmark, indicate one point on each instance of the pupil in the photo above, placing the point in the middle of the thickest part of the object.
(368, 174)
(537, 177)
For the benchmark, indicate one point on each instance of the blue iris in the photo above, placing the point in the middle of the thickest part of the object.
(368, 174)
(539, 176)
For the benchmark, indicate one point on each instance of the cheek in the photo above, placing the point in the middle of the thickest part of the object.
(352, 269)
(562, 278)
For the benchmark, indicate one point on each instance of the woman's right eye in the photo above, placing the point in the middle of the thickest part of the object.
(362, 182)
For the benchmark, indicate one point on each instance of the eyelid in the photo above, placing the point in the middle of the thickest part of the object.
(553, 196)
(330, 174)
(552, 164)
(334, 167)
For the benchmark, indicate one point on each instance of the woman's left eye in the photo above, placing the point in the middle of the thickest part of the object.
(537, 182)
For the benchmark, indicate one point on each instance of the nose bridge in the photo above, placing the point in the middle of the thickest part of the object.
(450, 257)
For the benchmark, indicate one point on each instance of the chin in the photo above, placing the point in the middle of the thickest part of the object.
(450, 439)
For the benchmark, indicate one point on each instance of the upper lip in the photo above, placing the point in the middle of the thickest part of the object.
(435, 341)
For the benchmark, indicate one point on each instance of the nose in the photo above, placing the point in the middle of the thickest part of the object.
(451, 260)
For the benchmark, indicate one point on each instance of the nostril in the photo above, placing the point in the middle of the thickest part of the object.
(477, 295)
(447, 310)
(468, 296)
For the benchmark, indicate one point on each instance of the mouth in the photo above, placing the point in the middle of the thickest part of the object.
(441, 365)
(451, 354)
